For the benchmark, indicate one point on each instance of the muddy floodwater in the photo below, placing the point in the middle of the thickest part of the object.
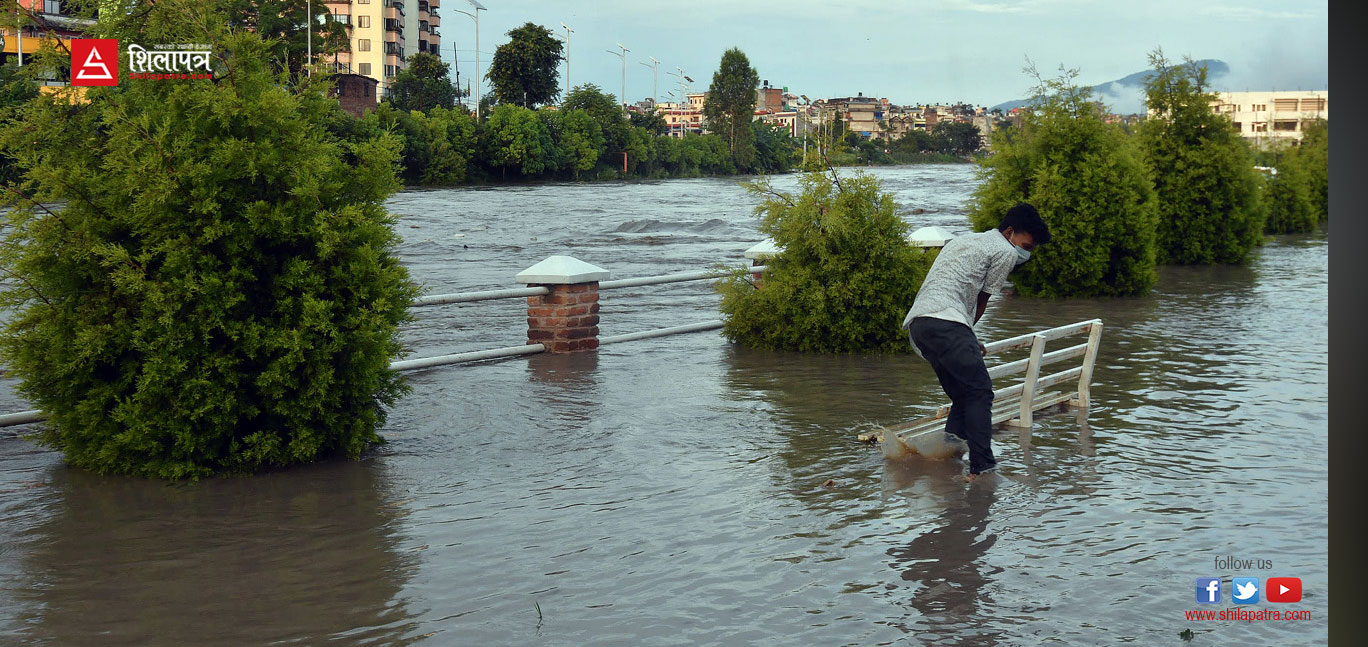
(674, 491)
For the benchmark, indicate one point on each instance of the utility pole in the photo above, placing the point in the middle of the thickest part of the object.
(308, 10)
(655, 82)
(623, 56)
(568, 31)
(476, 15)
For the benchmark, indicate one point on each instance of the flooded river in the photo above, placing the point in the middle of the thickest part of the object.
(671, 491)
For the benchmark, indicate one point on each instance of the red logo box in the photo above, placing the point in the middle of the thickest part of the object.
(1283, 589)
(95, 61)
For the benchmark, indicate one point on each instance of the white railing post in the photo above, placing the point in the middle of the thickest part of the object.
(1089, 358)
(1023, 419)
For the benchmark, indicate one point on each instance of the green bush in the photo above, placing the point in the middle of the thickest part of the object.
(845, 278)
(1204, 177)
(1287, 197)
(1086, 179)
(1315, 157)
(205, 280)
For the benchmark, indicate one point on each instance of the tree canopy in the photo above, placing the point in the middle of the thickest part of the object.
(729, 106)
(423, 85)
(525, 70)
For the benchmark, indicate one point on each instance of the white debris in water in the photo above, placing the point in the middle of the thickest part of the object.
(934, 444)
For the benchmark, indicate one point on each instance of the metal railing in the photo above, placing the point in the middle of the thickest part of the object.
(1015, 405)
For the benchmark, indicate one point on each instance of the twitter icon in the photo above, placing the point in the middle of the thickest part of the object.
(1244, 590)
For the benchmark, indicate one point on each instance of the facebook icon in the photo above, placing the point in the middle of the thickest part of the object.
(1208, 590)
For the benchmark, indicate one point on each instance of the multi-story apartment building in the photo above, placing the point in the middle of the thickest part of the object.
(1271, 116)
(383, 34)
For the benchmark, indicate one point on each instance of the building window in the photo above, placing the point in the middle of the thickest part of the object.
(1285, 124)
(1259, 127)
(1239, 127)
(53, 6)
(363, 69)
(1284, 104)
(391, 70)
(1312, 105)
(1259, 107)
(365, 89)
(363, 21)
(363, 44)
(362, 1)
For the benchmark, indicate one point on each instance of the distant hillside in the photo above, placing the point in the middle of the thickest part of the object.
(1126, 95)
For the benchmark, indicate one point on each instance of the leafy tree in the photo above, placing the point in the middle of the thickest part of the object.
(423, 85)
(579, 139)
(205, 279)
(774, 150)
(1203, 175)
(1288, 197)
(284, 26)
(524, 71)
(652, 121)
(1086, 178)
(15, 90)
(516, 138)
(1314, 154)
(605, 111)
(956, 138)
(729, 106)
(844, 279)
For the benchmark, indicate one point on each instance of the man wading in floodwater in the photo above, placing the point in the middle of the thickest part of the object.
(949, 303)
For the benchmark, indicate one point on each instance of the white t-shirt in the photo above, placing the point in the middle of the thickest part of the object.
(966, 266)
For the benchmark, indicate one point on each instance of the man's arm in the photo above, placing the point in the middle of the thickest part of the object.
(982, 305)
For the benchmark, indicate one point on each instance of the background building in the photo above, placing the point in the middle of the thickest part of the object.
(383, 33)
(1268, 116)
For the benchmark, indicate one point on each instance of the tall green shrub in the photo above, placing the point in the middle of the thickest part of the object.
(844, 280)
(1086, 179)
(205, 280)
(1288, 197)
(1207, 186)
(1315, 157)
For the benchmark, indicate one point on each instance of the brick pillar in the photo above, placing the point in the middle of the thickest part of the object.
(760, 253)
(566, 320)
(757, 277)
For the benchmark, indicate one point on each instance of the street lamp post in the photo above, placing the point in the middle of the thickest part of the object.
(655, 79)
(623, 56)
(476, 15)
(568, 31)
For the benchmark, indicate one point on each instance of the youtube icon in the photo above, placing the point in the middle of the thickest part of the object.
(1283, 589)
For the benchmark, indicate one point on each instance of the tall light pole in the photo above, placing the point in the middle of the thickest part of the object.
(655, 79)
(568, 31)
(623, 56)
(476, 15)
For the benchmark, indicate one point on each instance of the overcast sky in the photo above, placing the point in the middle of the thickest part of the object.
(924, 51)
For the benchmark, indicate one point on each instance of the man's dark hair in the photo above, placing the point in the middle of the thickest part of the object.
(1024, 217)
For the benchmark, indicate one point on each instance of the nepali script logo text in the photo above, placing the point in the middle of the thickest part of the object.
(169, 62)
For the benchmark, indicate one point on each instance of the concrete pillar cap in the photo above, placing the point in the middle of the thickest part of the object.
(929, 237)
(562, 270)
(763, 249)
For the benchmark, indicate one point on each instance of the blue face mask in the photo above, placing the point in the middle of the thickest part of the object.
(1022, 254)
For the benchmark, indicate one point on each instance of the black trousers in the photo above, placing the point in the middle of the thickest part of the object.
(954, 353)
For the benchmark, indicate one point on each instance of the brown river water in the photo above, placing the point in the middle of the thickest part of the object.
(671, 491)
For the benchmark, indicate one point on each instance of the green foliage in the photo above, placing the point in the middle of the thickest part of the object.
(954, 138)
(1204, 177)
(515, 138)
(729, 106)
(653, 122)
(15, 90)
(844, 279)
(1086, 178)
(422, 85)
(284, 26)
(1314, 154)
(525, 70)
(580, 140)
(774, 151)
(606, 112)
(1288, 198)
(205, 279)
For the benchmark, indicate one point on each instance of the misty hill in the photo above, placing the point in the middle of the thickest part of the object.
(1126, 95)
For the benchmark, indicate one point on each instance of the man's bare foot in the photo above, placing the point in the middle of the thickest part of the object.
(969, 478)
